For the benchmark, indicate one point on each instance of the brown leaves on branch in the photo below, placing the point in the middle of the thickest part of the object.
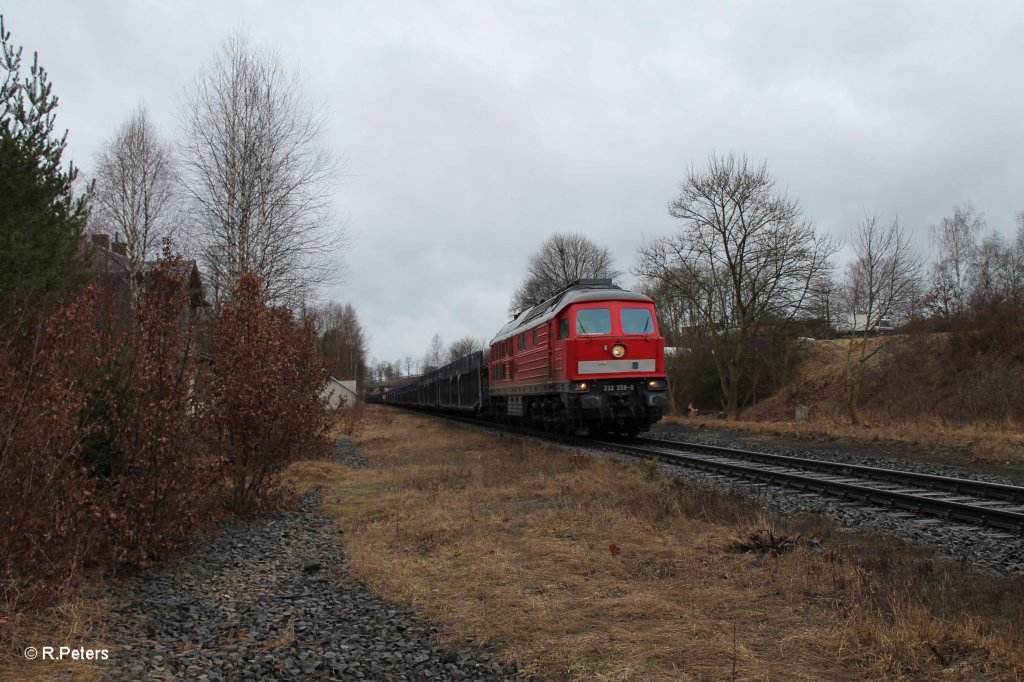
(48, 506)
(264, 409)
(115, 443)
(163, 486)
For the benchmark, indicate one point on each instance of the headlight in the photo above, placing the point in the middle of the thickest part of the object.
(618, 350)
(579, 386)
(657, 384)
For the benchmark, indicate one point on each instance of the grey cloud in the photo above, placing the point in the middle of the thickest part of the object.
(474, 130)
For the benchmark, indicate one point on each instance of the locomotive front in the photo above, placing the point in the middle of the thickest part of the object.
(615, 363)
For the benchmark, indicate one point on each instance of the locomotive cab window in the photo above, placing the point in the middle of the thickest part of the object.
(563, 329)
(593, 321)
(637, 321)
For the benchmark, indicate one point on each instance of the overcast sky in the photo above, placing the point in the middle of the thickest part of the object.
(475, 130)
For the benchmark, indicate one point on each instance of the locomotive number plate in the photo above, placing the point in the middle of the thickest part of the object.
(618, 388)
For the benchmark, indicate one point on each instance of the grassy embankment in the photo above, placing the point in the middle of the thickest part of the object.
(585, 568)
(888, 409)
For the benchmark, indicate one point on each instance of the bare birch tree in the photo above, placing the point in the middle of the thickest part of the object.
(560, 261)
(434, 356)
(136, 196)
(880, 283)
(257, 175)
(956, 237)
(744, 260)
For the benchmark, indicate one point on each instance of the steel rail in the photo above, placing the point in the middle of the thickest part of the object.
(995, 491)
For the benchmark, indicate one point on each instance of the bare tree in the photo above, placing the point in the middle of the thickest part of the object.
(823, 302)
(341, 340)
(744, 260)
(957, 239)
(997, 272)
(880, 283)
(257, 175)
(136, 192)
(463, 347)
(435, 354)
(561, 260)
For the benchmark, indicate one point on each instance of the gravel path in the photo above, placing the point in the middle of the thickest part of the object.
(271, 599)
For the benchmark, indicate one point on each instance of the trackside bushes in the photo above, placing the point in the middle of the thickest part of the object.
(263, 408)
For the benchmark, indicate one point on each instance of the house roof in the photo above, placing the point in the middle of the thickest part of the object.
(189, 268)
(348, 385)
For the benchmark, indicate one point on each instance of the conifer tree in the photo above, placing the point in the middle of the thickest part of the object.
(41, 217)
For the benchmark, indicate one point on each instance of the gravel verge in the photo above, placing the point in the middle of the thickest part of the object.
(347, 452)
(271, 598)
(989, 550)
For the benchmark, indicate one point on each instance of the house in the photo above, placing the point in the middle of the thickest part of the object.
(343, 394)
(110, 262)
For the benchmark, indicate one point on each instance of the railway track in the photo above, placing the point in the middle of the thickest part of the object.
(965, 500)
(968, 501)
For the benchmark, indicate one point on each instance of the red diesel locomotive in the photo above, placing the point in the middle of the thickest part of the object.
(588, 358)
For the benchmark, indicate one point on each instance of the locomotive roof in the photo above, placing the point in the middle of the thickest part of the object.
(580, 291)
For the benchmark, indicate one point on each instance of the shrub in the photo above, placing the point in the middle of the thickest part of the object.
(49, 518)
(263, 408)
(163, 487)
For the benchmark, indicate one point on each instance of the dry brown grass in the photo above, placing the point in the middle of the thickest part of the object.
(348, 420)
(998, 444)
(588, 569)
(77, 622)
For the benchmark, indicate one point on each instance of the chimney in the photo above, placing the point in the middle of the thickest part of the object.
(102, 241)
(120, 248)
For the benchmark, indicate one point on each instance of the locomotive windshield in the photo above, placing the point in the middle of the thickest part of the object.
(594, 321)
(637, 321)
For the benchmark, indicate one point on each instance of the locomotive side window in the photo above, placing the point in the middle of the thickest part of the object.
(563, 329)
(594, 321)
(637, 321)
